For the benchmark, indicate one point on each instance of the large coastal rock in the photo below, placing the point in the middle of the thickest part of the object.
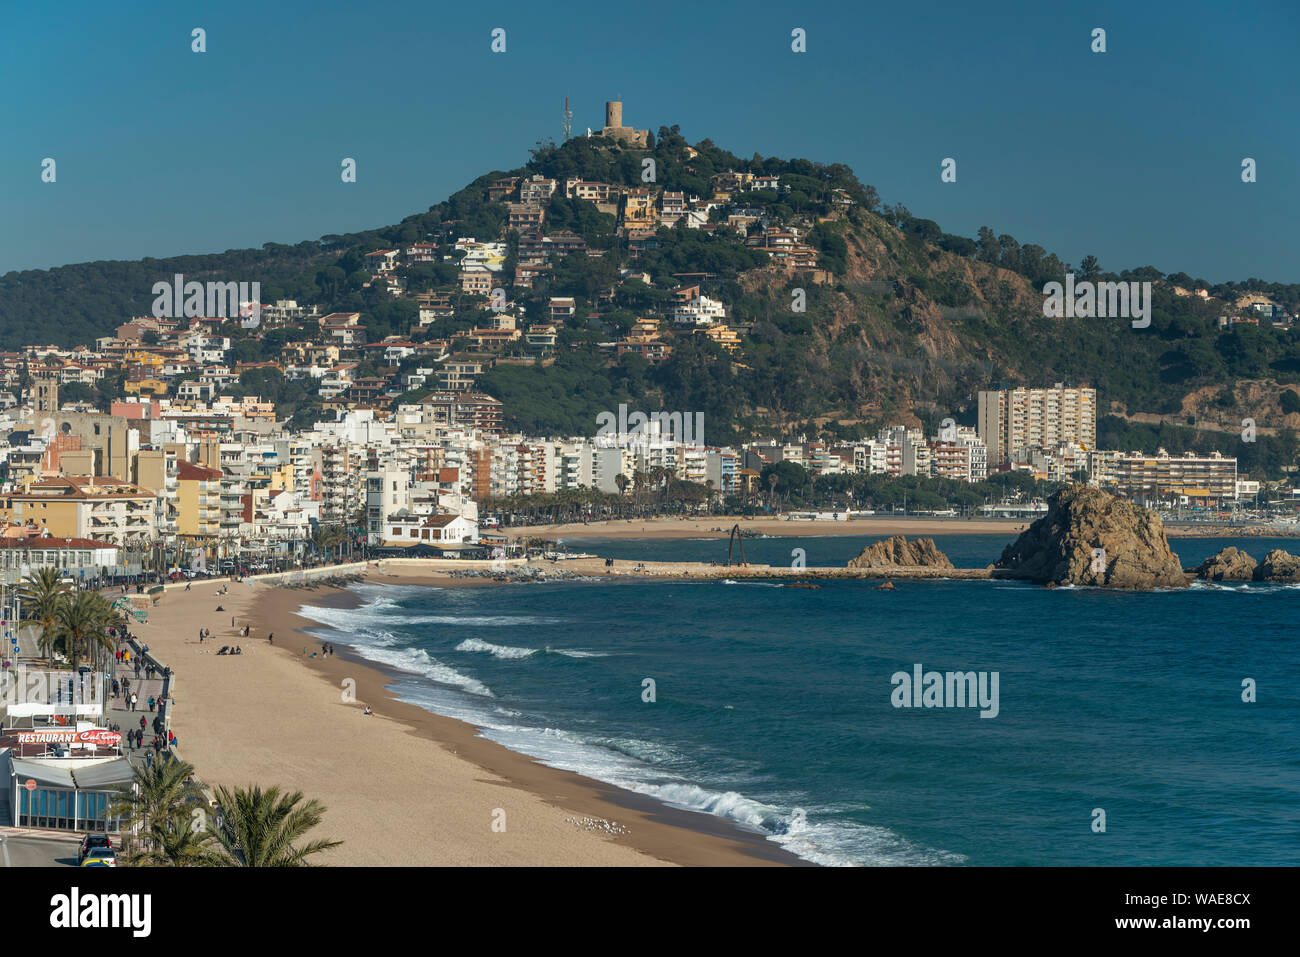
(898, 552)
(1090, 537)
(1229, 565)
(1278, 566)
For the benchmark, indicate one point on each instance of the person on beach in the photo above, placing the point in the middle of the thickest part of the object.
(271, 637)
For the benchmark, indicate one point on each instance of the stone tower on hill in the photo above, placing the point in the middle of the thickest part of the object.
(615, 129)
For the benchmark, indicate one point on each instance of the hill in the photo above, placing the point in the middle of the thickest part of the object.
(901, 321)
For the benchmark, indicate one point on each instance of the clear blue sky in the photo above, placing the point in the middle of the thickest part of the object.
(1133, 155)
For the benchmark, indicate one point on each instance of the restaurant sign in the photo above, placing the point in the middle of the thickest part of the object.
(99, 737)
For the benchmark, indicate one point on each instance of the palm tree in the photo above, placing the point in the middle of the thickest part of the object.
(327, 538)
(81, 622)
(42, 593)
(158, 807)
(260, 828)
(175, 843)
(227, 542)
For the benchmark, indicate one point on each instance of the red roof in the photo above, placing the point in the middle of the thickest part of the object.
(54, 543)
(188, 471)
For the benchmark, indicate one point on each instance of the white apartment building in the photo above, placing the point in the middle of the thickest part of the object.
(1013, 422)
(700, 311)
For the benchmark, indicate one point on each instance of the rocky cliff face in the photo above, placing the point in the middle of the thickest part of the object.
(1229, 565)
(898, 551)
(1090, 537)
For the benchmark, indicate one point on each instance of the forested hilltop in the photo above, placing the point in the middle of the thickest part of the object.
(903, 322)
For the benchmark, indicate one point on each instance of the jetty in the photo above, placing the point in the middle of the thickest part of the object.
(623, 568)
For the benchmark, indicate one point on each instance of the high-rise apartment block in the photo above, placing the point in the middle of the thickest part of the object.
(1014, 422)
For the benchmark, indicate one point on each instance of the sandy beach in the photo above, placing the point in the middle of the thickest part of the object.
(402, 786)
(705, 527)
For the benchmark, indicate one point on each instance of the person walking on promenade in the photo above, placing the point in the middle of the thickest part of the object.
(149, 701)
(133, 701)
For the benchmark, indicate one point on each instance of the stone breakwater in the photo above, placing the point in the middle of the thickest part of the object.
(595, 569)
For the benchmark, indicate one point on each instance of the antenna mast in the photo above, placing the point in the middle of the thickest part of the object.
(568, 120)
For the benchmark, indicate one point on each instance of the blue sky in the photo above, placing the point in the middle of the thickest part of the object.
(1133, 155)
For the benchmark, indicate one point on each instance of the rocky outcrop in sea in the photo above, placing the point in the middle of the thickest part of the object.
(898, 552)
(1279, 567)
(1091, 537)
(1228, 565)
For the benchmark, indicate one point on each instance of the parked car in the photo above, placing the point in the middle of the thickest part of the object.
(92, 842)
(100, 857)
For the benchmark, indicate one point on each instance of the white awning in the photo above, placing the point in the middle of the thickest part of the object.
(48, 710)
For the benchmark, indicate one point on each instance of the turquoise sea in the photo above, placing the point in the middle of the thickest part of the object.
(774, 706)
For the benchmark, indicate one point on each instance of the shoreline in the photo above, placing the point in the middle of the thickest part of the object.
(522, 769)
(404, 786)
(498, 760)
(718, 526)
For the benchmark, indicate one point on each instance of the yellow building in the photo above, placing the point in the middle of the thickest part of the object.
(639, 208)
(96, 507)
(723, 335)
(154, 387)
(198, 502)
